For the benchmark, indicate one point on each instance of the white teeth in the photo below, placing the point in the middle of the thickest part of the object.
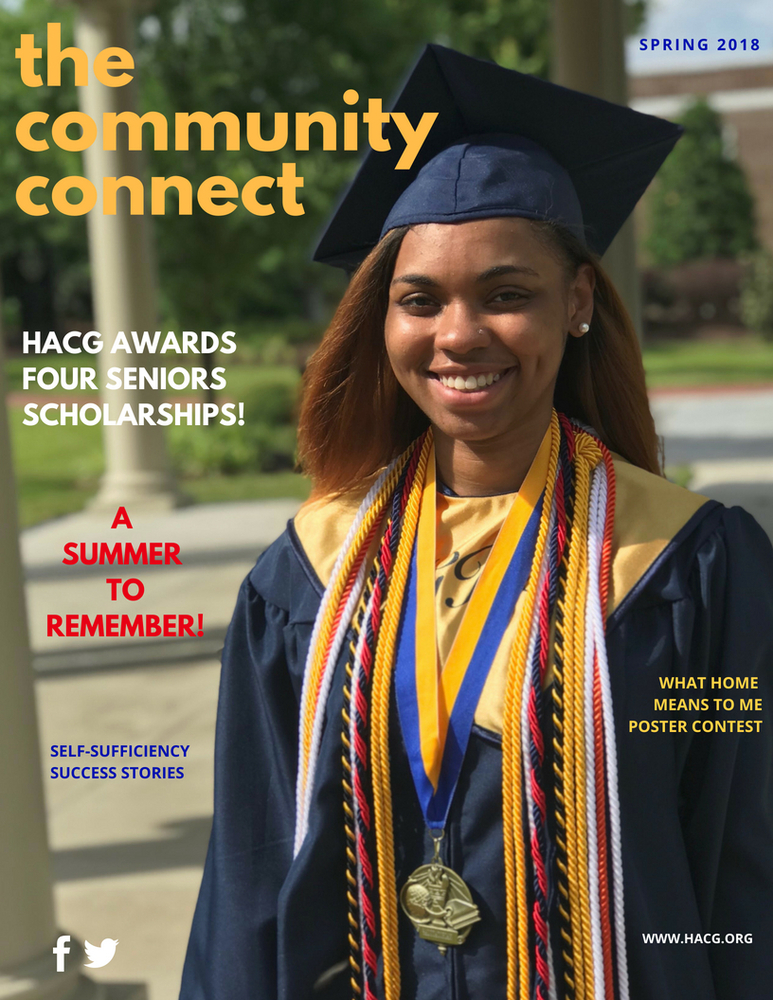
(470, 383)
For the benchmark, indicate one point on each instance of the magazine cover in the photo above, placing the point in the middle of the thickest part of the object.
(386, 494)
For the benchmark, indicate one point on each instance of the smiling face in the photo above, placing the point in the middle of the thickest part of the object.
(475, 330)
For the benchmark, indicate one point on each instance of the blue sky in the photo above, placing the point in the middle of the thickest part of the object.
(710, 19)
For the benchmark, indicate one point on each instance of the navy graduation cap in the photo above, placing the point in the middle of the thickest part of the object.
(504, 143)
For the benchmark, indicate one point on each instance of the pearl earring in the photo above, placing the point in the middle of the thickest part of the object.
(584, 327)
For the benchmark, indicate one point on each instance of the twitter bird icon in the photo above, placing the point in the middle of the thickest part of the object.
(100, 955)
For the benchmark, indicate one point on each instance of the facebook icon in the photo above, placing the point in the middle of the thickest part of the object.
(61, 949)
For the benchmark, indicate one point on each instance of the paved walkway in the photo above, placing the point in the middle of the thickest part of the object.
(127, 854)
(218, 545)
(726, 440)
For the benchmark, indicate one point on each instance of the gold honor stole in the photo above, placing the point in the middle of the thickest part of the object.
(437, 704)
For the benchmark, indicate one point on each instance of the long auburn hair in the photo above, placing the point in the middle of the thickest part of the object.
(356, 417)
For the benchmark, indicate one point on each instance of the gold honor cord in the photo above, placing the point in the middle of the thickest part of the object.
(373, 514)
(512, 804)
(588, 457)
(570, 725)
(571, 799)
(571, 795)
(568, 721)
(382, 683)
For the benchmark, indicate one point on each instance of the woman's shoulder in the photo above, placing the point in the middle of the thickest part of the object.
(302, 557)
(654, 520)
(650, 512)
(321, 526)
(284, 578)
(658, 522)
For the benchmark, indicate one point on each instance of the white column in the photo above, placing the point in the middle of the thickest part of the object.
(137, 470)
(27, 927)
(589, 55)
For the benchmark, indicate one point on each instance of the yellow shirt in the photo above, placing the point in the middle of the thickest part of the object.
(466, 529)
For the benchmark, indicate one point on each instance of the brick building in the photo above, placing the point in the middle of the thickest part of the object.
(743, 94)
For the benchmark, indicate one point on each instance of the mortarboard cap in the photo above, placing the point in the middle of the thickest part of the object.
(504, 143)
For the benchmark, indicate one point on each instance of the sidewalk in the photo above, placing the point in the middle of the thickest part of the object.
(127, 854)
(218, 544)
(726, 439)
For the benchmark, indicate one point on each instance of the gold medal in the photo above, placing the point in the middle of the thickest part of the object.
(439, 904)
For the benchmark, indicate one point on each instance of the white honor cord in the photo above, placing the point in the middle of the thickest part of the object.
(325, 685)
(307, 780)
(597, 619)
(552, 988)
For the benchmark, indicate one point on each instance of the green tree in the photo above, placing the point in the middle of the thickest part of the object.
(245, 56)
(701, 206)
(268, 56)
(52, 242)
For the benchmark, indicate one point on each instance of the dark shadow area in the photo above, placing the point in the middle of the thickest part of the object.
(186, 847)
(127, 655)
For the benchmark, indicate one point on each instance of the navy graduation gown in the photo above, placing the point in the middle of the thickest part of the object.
(696, 808)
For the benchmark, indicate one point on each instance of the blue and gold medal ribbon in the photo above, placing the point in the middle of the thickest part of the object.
(437, 706)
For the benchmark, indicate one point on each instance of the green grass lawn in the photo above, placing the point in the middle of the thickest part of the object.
(250, 486)
(241, 378)
(742, 360)
(58, 468)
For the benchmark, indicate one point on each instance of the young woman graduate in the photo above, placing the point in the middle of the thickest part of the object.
(472, 737)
